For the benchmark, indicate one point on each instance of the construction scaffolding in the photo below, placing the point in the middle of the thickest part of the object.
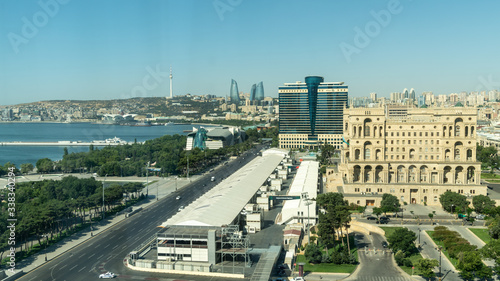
(234, 248)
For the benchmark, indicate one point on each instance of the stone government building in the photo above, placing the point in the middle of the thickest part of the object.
(415, 154)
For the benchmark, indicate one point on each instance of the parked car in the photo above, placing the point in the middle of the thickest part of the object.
(384, 244)
(370, 218)
(480, 217)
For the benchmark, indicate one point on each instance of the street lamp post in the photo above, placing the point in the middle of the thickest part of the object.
(147, 180)
(452, 210)
(439, 249)
(419, 230)
(103, 183)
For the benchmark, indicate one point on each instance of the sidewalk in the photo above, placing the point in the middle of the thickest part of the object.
(164, 188)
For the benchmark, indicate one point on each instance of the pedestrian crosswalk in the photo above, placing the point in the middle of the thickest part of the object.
(378, 278)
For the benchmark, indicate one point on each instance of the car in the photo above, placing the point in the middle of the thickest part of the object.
(181, 208)
(107, 275)
(384, 218)
(384, 244)
(177, 198)
(370, 218)
(298, 279)
(480, 217)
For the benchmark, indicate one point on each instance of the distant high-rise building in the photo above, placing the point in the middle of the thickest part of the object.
(311, 113)
(411, 95)
(234, 93)
(373, 97)
(252, 92)
(405, 94)
(171, 91)
(259, 94)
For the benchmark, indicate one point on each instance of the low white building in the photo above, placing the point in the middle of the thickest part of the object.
(305, 186)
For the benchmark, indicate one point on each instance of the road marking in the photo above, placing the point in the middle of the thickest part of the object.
(97, 246)
(106, 246)
(82, 268)
(73, 267)
(120, 237)
(81, 256)
(100, 257)
(63, 266)
(115, 247)
(91, 256)
(32, 278)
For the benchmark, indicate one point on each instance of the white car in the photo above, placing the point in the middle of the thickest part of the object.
(181, 208)
(177, 198)
(107, 275)
(298, 279)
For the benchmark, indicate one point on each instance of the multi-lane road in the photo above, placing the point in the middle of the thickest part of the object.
(107, 251)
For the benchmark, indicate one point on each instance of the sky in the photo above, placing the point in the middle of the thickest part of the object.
(116, 49)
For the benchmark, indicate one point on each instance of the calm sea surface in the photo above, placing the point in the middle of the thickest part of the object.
(85, 132)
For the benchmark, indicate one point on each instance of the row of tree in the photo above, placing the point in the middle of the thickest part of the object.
(49, 207)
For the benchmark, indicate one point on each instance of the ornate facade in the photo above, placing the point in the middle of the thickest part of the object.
(414, 154)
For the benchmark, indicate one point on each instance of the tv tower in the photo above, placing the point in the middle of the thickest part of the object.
(171, 82)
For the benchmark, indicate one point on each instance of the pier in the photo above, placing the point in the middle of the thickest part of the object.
(64, 143)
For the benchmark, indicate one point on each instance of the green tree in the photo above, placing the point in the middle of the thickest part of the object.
(389, 203)
(494, 228)
(402, 239)
(488, 157)
(332, 198)
(431, 215)
(45, 165)
(313, 253)
(469, 263)
(26, 168)
(426, 267)
(449, 199)
(492, 251)
(482, 203)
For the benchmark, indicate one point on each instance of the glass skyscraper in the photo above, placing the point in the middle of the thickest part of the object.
(252, 92)
(234, 93)
(311, 113)
(259, 94)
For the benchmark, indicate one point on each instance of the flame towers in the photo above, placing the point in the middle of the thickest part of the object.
(259, 92)
(234, 93)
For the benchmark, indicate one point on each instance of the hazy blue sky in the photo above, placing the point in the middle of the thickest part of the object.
(93, 49)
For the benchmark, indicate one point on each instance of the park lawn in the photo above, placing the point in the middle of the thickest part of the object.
(482, 234)
(414, 259)
(389, 230)
(440, 243)
(490, 176)
(326, 267)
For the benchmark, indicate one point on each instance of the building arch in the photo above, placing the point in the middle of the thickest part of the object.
(472, 131)
(411, 154)
(447, 177)
(378, 174)
(459, 124)
(459, 175)
(378, 154)
(450, 129)
(457, 150)
(356, 154)
(471, 174)
(412, 174)
(368, 173)
(366, 125)
(466, 131)
(367, 148)
(354, 130)
(469, 154)
(424, 173)
(356, 174)
(401, 174)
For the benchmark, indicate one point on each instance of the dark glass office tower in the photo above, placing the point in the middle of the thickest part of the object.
(234, 93)
(311, 113)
